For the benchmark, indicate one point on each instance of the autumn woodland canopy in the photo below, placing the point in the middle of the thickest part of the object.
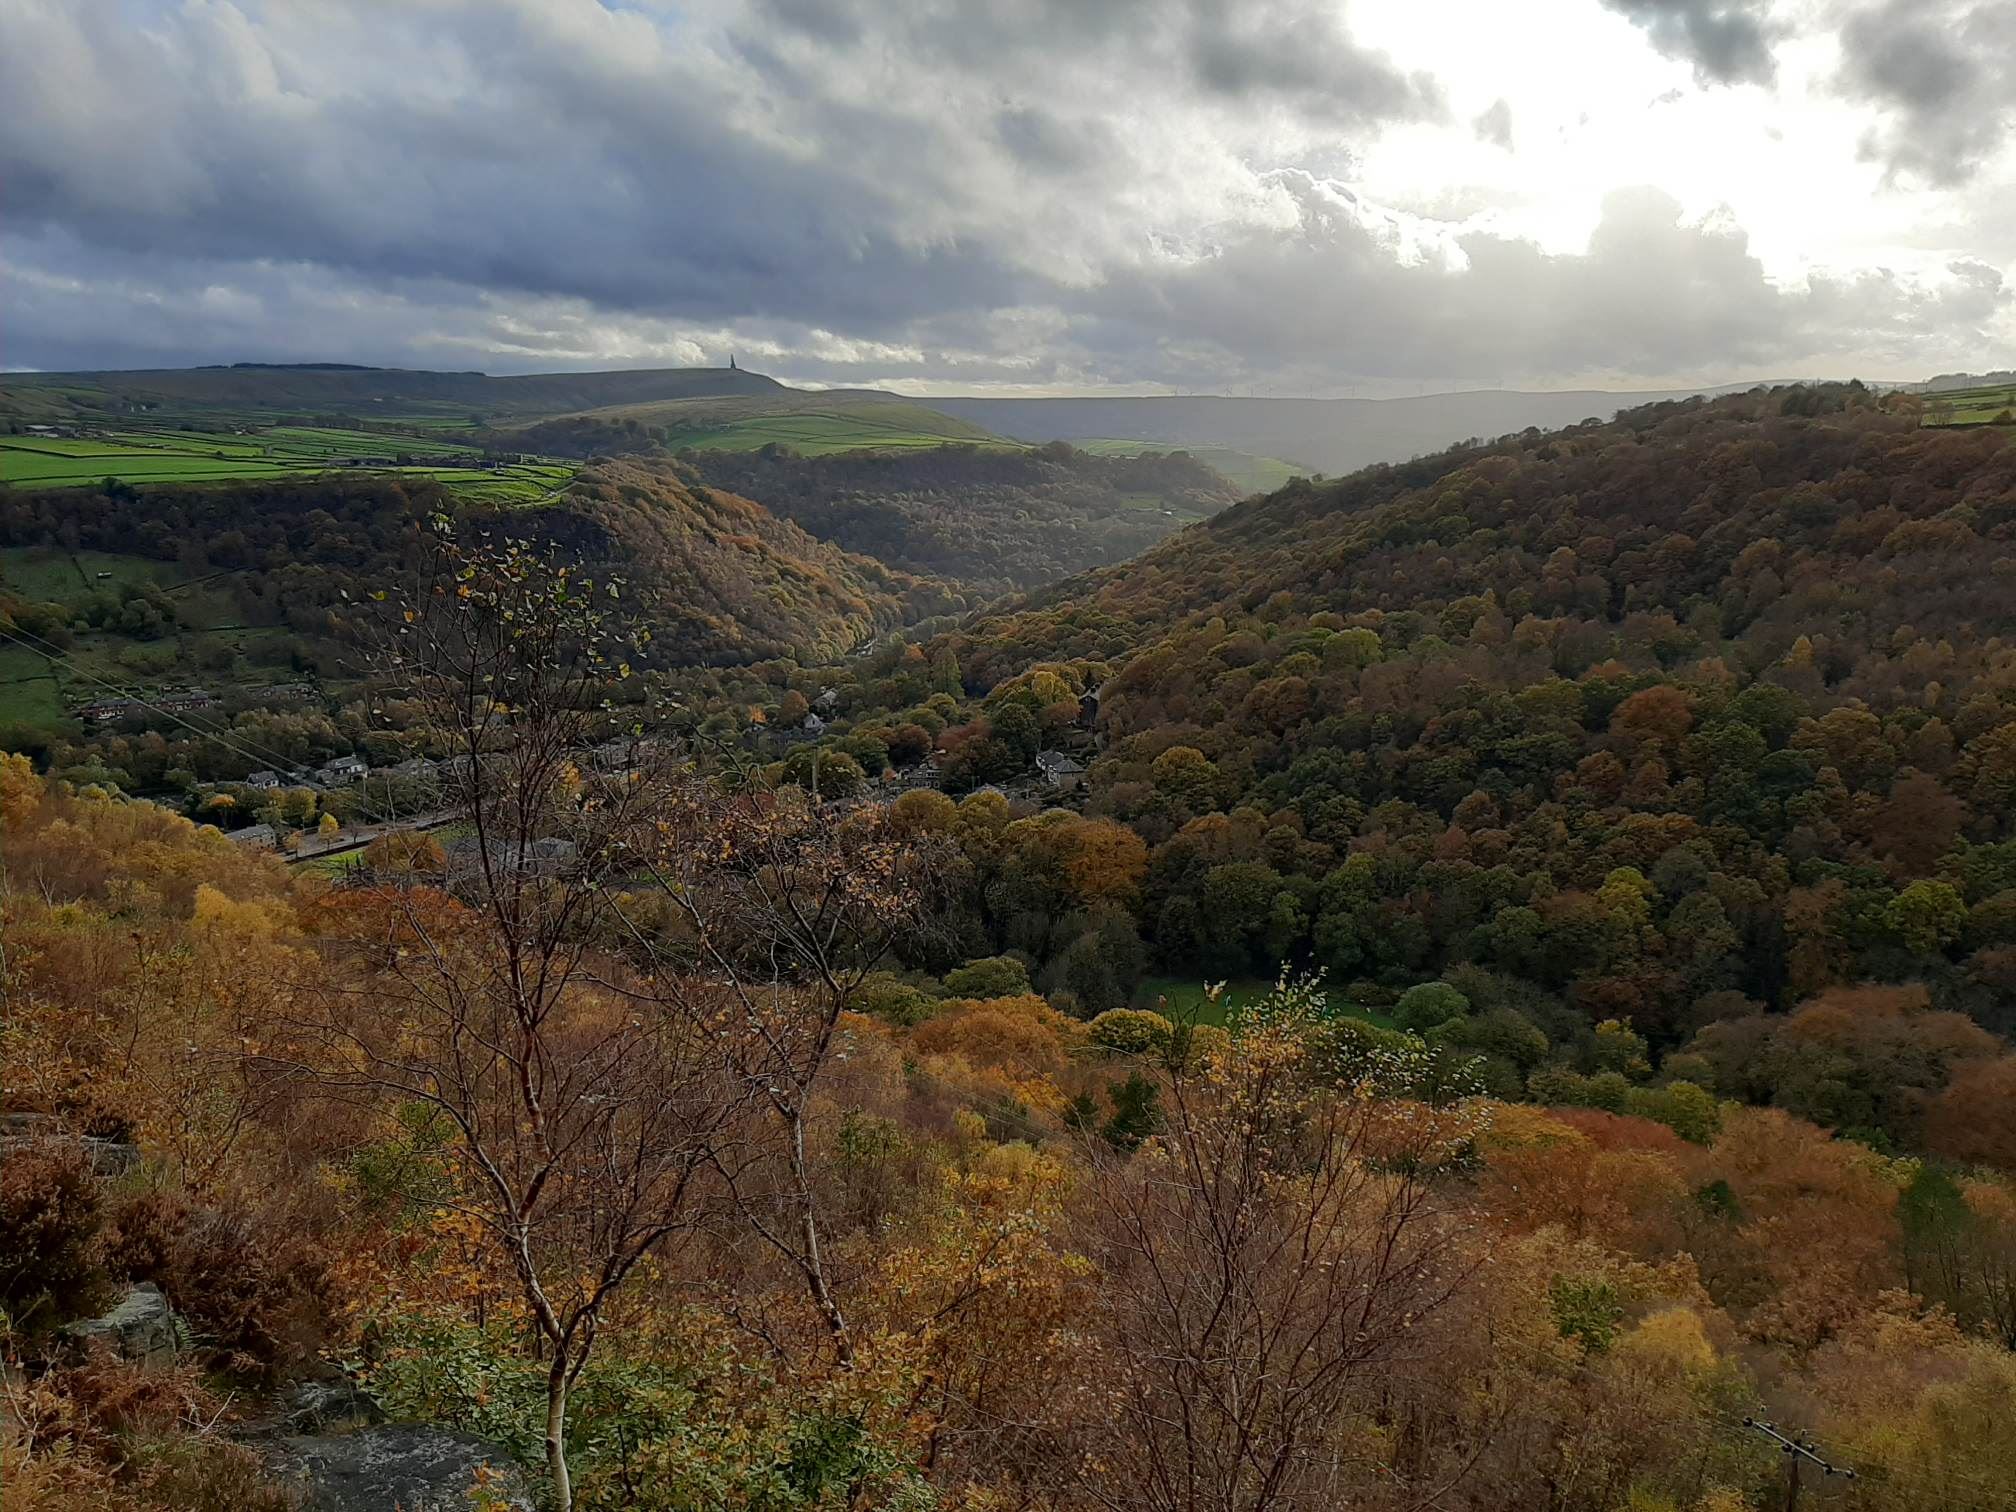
(838, 1118)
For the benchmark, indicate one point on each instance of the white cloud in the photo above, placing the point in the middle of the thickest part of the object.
(1278, 194)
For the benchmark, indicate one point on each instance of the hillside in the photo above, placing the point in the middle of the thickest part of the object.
(808, 422)
(990, 519)
(1327, 435)
(369, 392)
(1624, 814)
(249, 591)
(1661, 505)
(1673, 719)
(720, 578)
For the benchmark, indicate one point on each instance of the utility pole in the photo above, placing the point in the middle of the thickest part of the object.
(1796, 1453)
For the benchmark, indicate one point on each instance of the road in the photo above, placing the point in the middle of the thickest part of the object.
(314, 848)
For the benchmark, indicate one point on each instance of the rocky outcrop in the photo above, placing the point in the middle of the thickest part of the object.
(324, 1406)
(109, 1157)
(142, 1327)
(402, 1465)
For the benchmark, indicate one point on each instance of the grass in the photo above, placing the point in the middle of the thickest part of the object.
(48, 575)
(817, 432)
(208, 648)
(331, 867)
(1187, 1001)
(41, 574)
(1977, 406)
(29, 692)
(811, 423)
(140, 456)
(1243, 470)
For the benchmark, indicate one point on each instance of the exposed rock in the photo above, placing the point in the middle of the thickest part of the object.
(109, 1157)
(320, 1406)
(402, 1465)
(142, 1327)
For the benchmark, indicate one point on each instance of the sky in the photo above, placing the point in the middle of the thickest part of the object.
(1018, 196)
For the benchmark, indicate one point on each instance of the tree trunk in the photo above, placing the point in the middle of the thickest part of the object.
(556, 1433)
(815, 1264)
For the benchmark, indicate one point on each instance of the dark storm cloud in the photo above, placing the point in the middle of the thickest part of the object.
(1039, 192)
(556, 169)
(1726, 41)
(1945, 73)
(1294, 51)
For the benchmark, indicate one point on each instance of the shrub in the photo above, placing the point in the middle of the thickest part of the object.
(254, 1287)
(1133, 1031)
(1501, 1034)
(886, 996)
(988, 977)
(1022, 1032)
(50, 1268)
(1137, 1112)
(405, 852)
(1686, 1109)
(112, 1436)
(1431, 1003)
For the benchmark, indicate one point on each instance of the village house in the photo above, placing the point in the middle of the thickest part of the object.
(463, 858)
(343, 770)
(107, 710)
(1059, 770)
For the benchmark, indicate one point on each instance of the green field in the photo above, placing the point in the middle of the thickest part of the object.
(29, 691)
(176, 456)
(207, 646)
(47, 574)
(1187, 1003)
(1244, 470)
(814, 429)
(1993, 405)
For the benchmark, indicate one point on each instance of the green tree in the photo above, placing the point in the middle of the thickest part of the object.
(1423, 1006)
(1926, 917)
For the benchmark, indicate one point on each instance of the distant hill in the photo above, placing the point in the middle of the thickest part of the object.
(1650, 481)
(1946, 382)
(985, 519)
(1665, 718)
(241, 584)
(1324, 435)
(719, 577)
(808, 421)
(370, 392)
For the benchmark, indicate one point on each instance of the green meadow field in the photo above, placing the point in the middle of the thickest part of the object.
(815, 430)
(1185, 1000)
(1992, 405)
(172, 456)
(207, 644)
(1248, 471)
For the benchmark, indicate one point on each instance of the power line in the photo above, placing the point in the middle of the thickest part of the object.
(1797, 1453)
(55, 653)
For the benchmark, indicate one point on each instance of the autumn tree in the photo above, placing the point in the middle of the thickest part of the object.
(1265, 1260)
(588, 1118)
(789, 907)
